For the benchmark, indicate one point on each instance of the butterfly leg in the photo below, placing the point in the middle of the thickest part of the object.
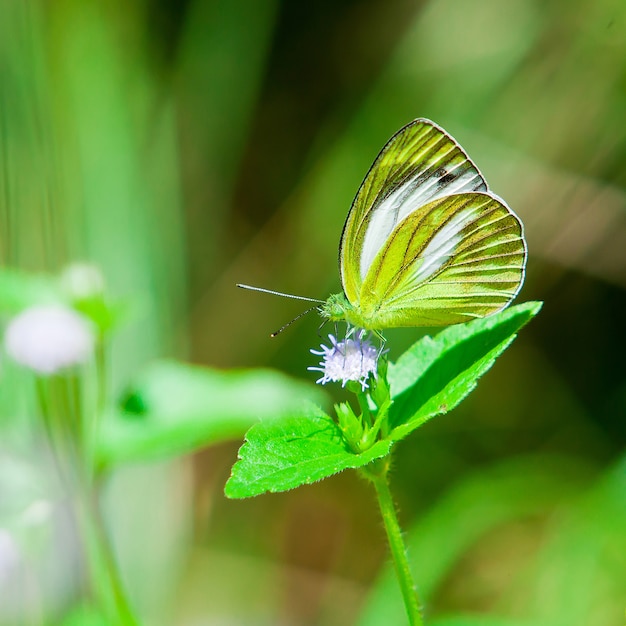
(383, 342)
(319, 330)
(350, 330)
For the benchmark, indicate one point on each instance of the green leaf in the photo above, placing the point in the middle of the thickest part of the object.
(431, 378)
(297, 450)
(19, 290)
(175, 409)
(106, 315)
(436, 373)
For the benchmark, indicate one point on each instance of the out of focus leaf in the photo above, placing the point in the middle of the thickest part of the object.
(484, 620)
(583, 561)
(107, 316)
(85, 616)
(300, 449)
(20, 290)
(510, 491)
(175, 409)
(434, 375)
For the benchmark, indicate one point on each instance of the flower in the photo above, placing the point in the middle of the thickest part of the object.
(82, 281)
(49, 338)
(350, 359)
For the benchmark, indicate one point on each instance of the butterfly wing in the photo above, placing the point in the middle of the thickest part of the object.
(456, 258)
(419, 164)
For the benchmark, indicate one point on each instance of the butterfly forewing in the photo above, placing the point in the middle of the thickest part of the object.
(419, 164)
(457, 258)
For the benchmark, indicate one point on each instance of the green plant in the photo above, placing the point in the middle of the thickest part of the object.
(393, 400)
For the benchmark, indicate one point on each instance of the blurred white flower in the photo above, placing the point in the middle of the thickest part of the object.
(351, 359)
(49, 338)
(82, 280)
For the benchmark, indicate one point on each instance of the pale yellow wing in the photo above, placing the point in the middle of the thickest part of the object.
(455, 259)
(419, 164)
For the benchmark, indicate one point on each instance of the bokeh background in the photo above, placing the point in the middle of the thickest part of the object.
(186, 146)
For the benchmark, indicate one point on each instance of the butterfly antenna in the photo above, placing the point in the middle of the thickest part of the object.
(295, 319)
(279, 293)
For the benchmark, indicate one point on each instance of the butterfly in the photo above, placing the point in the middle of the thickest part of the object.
(425, 243)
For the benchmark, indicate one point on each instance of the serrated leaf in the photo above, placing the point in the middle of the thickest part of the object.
(297, 450)
(434, 375)
(175, 409)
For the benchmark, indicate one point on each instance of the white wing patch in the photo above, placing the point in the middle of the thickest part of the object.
(442, 246)
(409, 197)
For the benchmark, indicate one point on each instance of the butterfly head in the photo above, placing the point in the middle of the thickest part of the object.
(339, 309)
(336, 308)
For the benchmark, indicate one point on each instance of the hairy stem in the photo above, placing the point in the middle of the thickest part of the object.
(396, 545)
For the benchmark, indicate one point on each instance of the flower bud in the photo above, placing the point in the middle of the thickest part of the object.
(49, 338)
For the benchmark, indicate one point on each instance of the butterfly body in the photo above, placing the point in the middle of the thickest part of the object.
(426, 243)
(338, 309)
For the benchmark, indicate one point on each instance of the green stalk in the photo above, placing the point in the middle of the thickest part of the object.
(62, 411)
(104, 572)
(396, 544)
(106, 582)
(366, 414)
(102, 388)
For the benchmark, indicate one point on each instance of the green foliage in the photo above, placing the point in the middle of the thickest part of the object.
(106, 316)
(435, 374)
(431, 378)
(481, 620)
(174, 409)
(580, 558)
(123, 131)
(85, 616)
(298, 450)
(19, 290)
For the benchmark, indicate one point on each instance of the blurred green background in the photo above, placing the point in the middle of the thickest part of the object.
(186, 146)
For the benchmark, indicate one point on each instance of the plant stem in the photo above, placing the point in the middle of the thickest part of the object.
(104, 573)
(396, 544)
(60, 403)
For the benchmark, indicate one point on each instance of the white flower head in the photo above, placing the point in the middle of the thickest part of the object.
(351, 359)
(82, 280)
(49, 338)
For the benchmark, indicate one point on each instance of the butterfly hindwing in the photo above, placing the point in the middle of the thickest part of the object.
(456, 258)
(419, 164)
